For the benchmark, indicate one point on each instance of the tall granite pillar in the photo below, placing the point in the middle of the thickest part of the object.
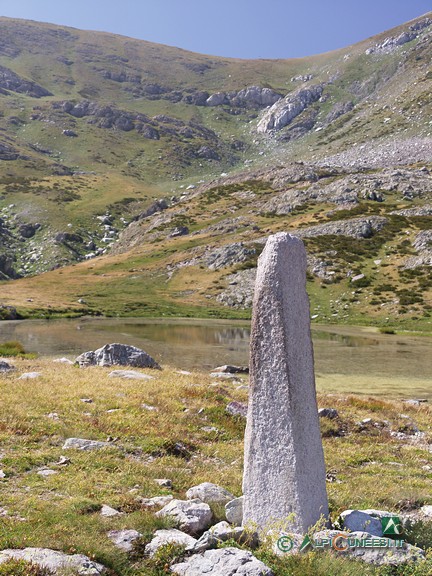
(284, 471)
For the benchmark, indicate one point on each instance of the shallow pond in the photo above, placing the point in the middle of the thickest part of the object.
(347, 359)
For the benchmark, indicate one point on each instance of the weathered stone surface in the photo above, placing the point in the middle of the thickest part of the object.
(172, 536)
(5, 366)
(234, 511)
(117, 354)
(193, 516)
(124, 539)
(223, 562)
(237, 409)
(221, 532)
(360, 521)
(284, 111)
(328, 413)
(54, 560)
(284, 471)
(83, 444)
(109, 512)
(155, 502)
(209, 493)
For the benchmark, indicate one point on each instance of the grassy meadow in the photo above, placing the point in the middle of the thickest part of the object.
(62, 511)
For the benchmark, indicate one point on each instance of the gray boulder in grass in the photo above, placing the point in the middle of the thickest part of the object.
(117, 355)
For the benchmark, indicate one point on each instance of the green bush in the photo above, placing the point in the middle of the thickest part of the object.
(12, 348)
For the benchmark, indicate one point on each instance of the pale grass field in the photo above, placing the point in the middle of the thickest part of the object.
(61, 511)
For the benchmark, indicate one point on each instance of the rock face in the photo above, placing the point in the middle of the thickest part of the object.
(284, 111)
(54, 560)
(224, 562)
(284, 471)
(117, 354)
(234, 511)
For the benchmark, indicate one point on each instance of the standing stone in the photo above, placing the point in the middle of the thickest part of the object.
(284, 471)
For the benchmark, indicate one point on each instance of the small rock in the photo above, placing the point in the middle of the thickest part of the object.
(5, 366)
(225, 376)
(130, 375)
(29, 375)
(164, 482)
(55, 561)
(173, 536)
(124, 539)
(2, 474)
(83, 444)
(228, 369)
(193, 516)
(222, 532)
(63, 361)
(47, 472)
(109, 512)
(156, 501)
(87, 400)
(209, 493)
(63, 461)
(222, 562)
(149, 408)
(328, 413)
(234, 511)
(237, 409)
(53, 416)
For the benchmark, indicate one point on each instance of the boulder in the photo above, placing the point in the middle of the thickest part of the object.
(193, 516)
(223, 562)
(155, 502)
(117, 354)
(109, 512)
(29, 375)
(234, 511)
(54, 560)
(209, 493)
(328, 413)
(172, 536)
(361, 521)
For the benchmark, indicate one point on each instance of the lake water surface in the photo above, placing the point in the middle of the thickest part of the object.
(347, 358)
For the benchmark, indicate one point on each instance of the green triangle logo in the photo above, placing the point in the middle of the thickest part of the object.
(305, 544)
(391, 526)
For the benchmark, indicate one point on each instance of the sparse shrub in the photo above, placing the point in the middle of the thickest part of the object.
(12, 348)
(22, 568)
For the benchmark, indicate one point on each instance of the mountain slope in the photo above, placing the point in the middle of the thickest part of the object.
(96, 129)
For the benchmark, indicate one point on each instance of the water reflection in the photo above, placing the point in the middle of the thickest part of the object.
(204, 344)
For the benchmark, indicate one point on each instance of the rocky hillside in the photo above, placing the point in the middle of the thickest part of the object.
(120, 148)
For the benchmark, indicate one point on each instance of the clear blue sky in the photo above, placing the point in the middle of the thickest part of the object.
(238, 28)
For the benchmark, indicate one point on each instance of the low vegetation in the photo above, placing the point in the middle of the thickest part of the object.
(143, 420)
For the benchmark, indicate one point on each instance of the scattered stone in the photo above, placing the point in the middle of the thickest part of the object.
(362, 521)
(83, 444)
(54, 560)
(183, 372)
(109, 512)
(284, 470)
(234, 511)
(222, 532)
(164, 482)
(53, 416)
(117, 354)
(47, 472)
(30, 375)
(209, 493)
(130, 375)
(225, 376)
(328, 413)
(63, 361)
(63, 461)
(223, 562)
(172, 536)
(156, 501)
(228, 369)
(5, 366)
(237, 409)
(2, 474)
(149, 408)
(124, 539)
(193, 516)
